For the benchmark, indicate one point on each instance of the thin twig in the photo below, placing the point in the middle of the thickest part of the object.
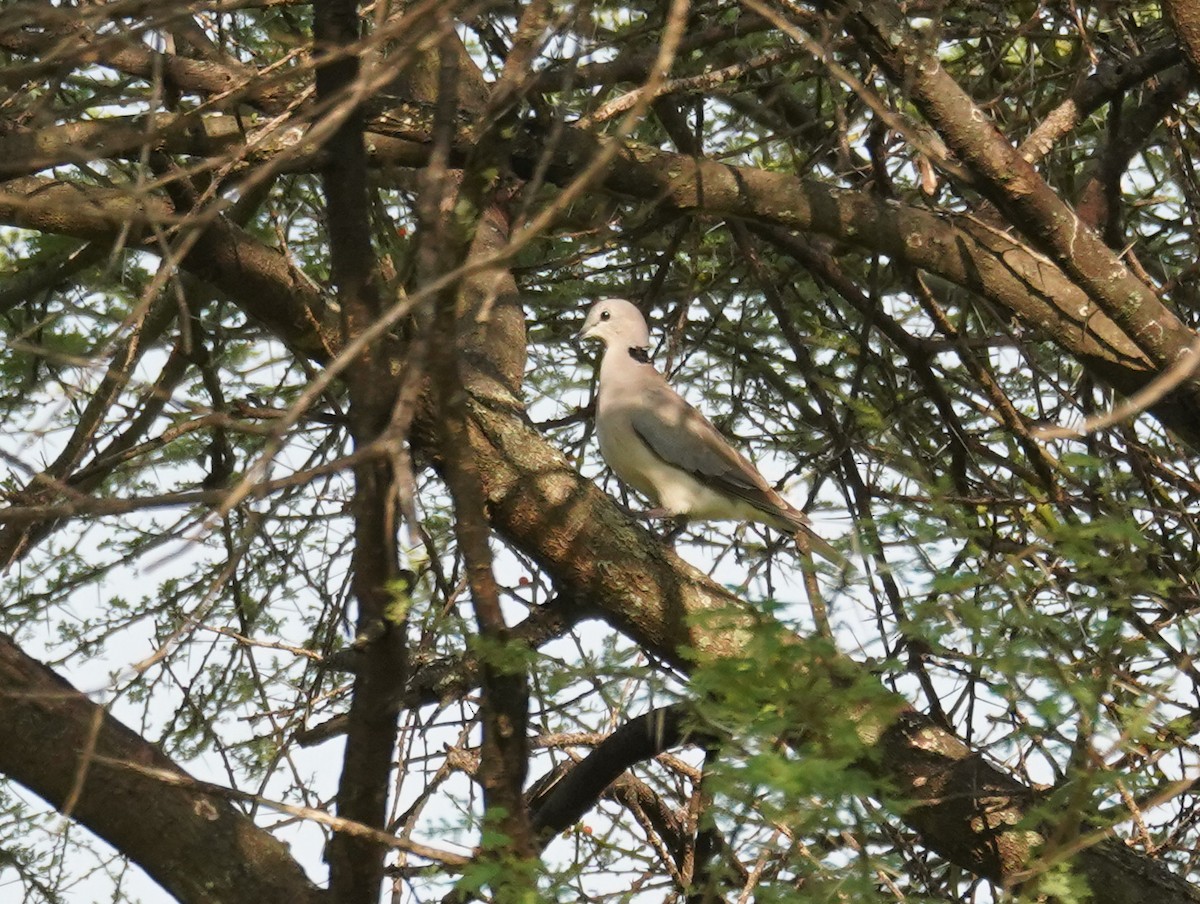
(1183, 368)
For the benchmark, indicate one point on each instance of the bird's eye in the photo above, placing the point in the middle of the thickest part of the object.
(605, 315)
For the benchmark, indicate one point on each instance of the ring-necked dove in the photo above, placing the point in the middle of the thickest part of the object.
(667, 450)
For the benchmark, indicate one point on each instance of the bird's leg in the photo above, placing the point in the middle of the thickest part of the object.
(678, 522)
(644, 514)
(655, 513)
(675, 523)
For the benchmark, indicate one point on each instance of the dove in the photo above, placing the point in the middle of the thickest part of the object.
(661, 446)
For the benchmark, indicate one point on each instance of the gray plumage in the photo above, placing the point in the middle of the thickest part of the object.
(667, 450)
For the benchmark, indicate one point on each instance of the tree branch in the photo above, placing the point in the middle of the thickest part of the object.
(957, 248)
(1185, 20)
(965, 808)
(561, 804)
(1010, 181)
(356, 864)
(196, 845)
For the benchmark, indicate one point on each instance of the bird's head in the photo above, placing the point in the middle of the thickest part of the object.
(616, 322)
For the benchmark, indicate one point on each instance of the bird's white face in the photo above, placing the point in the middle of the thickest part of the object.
(615, 321)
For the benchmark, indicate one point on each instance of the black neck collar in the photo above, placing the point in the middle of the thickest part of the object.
(640, 355)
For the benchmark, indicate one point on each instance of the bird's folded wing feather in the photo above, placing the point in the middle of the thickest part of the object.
(683, 438)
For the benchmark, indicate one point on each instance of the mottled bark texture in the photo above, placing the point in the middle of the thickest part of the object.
(68, 750)
(1184, 16)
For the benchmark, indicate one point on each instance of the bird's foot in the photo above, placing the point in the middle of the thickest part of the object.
(675, 526)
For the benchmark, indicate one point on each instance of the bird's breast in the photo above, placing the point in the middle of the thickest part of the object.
(638, 466)
(626, 454)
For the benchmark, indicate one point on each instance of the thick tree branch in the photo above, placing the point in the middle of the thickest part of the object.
(957, 248)
(225, 256)
(1011, 183)
(450, 219)
(1185, 20)
(965, 808)
(199, 847)
(64, 38)
(1111, 78)
(541, 504)
(356, 864)
(561, 804)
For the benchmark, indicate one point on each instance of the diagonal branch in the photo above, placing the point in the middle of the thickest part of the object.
(1012, 183)
(559, 804)
(197, 846)
(955, 247)
(965, 808)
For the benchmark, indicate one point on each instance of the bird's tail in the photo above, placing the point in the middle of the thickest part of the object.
(808, 541)
(786, 517)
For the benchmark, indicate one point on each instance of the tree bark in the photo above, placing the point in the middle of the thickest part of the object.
(956, 248)
(70, 752)
(1185, 20)
(356, 864)
(1012, 183)
(964, 808)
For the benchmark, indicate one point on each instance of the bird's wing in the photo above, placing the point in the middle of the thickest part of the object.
(683, 437)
